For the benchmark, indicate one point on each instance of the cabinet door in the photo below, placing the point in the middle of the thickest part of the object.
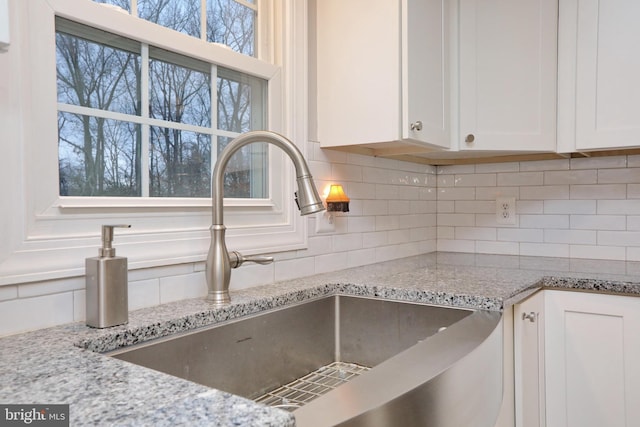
(507, 71)
(358, 71)
(592, 352)
(599, 68)
(425, 71)
(528, 339)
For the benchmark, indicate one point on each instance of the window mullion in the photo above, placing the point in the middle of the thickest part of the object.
(134, 8)
(144, 112)
(214, 115)
(203, 20)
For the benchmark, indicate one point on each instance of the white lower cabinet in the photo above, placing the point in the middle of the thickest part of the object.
(576, 364)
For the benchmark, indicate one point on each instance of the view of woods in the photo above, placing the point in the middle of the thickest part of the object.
(122, 134)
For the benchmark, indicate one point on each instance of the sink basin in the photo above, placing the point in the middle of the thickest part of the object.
(423, 360)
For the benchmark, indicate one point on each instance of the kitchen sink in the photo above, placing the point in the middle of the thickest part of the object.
(409, 361)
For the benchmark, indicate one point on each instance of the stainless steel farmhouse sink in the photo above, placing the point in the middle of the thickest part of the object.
(344, 360)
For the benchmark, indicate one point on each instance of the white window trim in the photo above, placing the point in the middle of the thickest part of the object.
(47, 237)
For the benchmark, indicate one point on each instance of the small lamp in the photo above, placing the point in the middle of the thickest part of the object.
(337, 201)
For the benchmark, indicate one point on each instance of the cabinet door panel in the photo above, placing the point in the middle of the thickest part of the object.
(507, 72)
(607, 70)
(592, 348)
(529, 361)
(425, 71)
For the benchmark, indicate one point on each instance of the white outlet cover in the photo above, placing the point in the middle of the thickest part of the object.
(506, 210)
(325, 222)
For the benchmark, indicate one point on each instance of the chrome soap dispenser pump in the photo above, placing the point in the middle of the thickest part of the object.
(107, 284)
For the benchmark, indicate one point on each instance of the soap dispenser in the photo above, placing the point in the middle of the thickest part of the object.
(107, 284)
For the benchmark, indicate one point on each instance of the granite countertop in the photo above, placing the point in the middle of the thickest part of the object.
(63, 364)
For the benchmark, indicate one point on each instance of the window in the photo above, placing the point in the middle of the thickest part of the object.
(136, 120)
(229, 22)
(49, 235)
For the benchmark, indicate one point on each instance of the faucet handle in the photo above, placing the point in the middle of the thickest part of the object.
(236, 259)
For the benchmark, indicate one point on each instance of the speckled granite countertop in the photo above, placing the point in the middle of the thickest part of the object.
(60, 365)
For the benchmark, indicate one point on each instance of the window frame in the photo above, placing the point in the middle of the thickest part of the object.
(57, 233)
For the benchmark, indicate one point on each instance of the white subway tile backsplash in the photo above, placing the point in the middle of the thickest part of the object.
(27, 314)
(423, 206)
(532, 235)
(399, 236)
(387, 222)
(456, 169)
(445, 245)
(144, 293)
(476, 180)
(475, 233)
(376, 175)
(599, 162)
(375, 207)
(460, 193)
(619, 238)
(544, 221)
(546, 192)
(598, 222)
(358, 159)
(455, 219)
(578, 208)
(571, 177)
(361, 224)
(399, 207)
(545, 165)
(633, 191)
(176, 288)
(575, 237)
(446, 233)
(597, 252)
(633, 223)
(362, 190)
(347, 242)
(584, 207)
(598, 191)
(544, 249)
(529, 206)
(374, 239)
(497, 167)
(624, 176)
(475, 206)
(443, 181)
(387, 191)
(491, 193)
(51, 287)
(250, 275)
(501, 248)
(8, 292)
(330, 262)
(360, 257)
(618, 207)
(507, 179)
(633, 161)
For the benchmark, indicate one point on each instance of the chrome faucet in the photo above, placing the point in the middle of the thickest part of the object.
(219, 260)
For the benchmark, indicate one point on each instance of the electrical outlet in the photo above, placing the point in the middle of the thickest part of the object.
(506, 210)
(325, 222)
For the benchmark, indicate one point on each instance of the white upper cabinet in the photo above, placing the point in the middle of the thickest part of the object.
(599, 69)
(507, 74)
(382, 73)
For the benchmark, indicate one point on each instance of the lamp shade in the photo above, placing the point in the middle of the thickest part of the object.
(337, 201)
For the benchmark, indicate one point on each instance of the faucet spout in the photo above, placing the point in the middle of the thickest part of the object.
(218, 266)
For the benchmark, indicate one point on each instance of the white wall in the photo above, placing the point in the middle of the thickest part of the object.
(392, 215)
(576, 208)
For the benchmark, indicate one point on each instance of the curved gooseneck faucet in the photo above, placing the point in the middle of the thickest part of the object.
(219, 260)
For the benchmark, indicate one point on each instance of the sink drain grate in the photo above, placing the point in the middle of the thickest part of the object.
(303, 390)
